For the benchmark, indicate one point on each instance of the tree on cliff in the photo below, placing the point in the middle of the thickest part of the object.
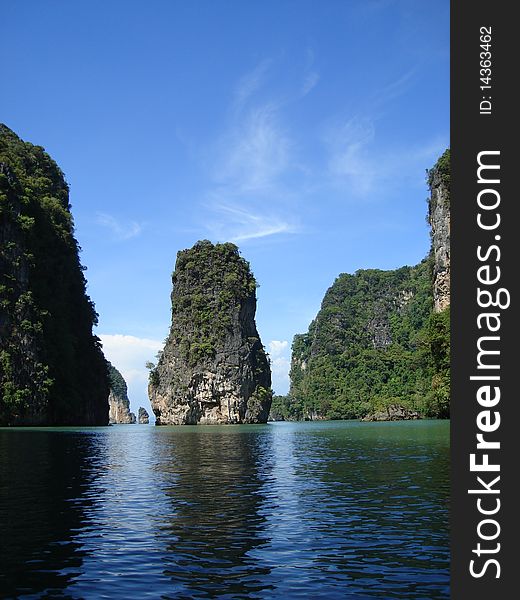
(52, 369)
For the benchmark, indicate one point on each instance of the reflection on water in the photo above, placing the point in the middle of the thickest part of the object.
(285, 510)
(43, 478)
(213, 483)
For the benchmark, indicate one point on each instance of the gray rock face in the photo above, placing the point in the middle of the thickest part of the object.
(119, 410)
(118, 402)
(213, 368)
(142, 416)
(439, 219)
(393, 412)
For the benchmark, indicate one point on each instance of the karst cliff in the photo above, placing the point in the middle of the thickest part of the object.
(143, 418)
(52, 369)
(440, 220)
(119, 404)
(381, 338)
(213, 368)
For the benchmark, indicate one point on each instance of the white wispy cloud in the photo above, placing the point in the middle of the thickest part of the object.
(251, 162)
(392, 90)
(279, 353)
(250, 83)
(310, 82)
(121, 231)
(366, 164)
(239, 224)
(277, 348)
(349, 144)
(359, 163)
(311, 75)
(129, 354)
(129, 351)
(254, 153)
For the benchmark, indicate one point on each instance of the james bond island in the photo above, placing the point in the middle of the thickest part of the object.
(213, 368)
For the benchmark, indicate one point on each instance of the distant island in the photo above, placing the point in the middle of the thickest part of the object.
(118, 402)
(143, 418)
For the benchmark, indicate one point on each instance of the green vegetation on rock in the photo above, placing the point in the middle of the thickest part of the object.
(376, 341)
(52, 369)
(442, 172)
(117, 383)
(362, 350)
(119, 404)
(436, 354)
(213, 368)
(204, 267)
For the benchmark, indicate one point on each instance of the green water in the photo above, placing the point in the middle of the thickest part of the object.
(285, 510)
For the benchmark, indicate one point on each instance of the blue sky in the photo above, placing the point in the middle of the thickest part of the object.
(299, 130)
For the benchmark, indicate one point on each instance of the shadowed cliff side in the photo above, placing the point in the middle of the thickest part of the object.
(213, 368)
(52, 369)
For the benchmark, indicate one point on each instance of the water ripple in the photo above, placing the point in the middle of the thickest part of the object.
(321, 510)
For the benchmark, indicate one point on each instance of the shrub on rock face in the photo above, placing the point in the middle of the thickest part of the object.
(213, 368)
